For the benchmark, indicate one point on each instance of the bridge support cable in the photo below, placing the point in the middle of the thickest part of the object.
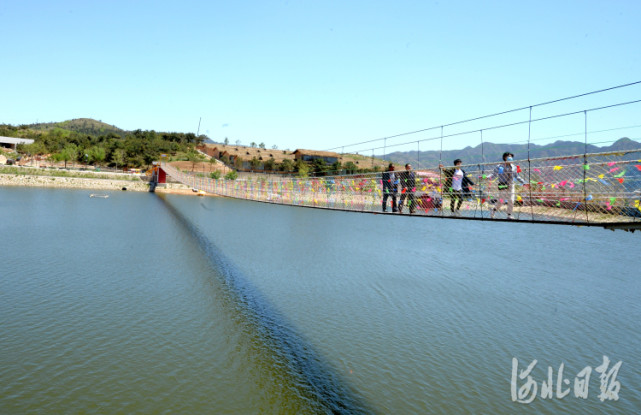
(622, 87)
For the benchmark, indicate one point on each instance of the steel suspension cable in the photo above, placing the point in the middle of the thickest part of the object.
(495, 114)
(519, 123)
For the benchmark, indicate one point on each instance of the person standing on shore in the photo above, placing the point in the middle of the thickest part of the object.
(458, 185)
(390, 187)
(408, 187)
(506, 173)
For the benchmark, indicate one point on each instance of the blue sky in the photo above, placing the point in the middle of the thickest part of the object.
(320, 74)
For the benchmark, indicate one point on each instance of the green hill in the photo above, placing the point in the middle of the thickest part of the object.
(86, 126)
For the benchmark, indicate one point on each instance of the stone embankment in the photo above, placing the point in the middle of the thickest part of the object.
(101, 181)
(71, 182)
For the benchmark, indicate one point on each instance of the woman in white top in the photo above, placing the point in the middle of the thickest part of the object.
(457, 184)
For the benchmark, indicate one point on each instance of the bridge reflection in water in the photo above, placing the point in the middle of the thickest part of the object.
(601, 189)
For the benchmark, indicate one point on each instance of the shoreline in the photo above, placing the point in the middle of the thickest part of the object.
(57, 182)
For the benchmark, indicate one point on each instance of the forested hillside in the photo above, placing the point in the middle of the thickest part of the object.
(93, 142)
(86, 126)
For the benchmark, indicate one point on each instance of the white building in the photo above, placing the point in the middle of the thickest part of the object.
(12, 142)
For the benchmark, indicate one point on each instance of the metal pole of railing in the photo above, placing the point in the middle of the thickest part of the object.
(440, 173)
(585, 164)
(529, 165)
(482, 176)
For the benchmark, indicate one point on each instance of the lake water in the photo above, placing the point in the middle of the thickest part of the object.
(143, 303)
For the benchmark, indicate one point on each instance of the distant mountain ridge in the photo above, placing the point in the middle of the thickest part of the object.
(493, 152)
(87, 126)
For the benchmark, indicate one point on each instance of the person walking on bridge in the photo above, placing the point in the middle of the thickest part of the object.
(408, 187)
(390, 187)
(506, 173)
(457, 184)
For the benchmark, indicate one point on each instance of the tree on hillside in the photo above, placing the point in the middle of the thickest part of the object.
(262, 145)
(350, 167)
(302, 169)
(118, 156)
(320, 167)
(336, 167)
(287, 166)
(7, 130)
(194, 157)
(36, 148)
(226, 141)
(69, 153)
(252, 144)
(254, 163)
(270, 164)
(54, 158)
(96, 155)
(237, 142)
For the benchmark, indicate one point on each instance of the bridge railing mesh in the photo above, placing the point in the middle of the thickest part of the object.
(600, 188)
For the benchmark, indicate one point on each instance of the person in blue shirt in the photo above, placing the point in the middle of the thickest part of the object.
(506, 174)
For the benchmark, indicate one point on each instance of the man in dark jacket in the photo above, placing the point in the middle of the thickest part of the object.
(457, 184)
(390, 187)
(408, 187)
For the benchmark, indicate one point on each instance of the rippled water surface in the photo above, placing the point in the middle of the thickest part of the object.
(142, 303)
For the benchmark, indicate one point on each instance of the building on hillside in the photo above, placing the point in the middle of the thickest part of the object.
(311, 155)
(245, 155)
(210, 151)
(12, 142)
(231, 156)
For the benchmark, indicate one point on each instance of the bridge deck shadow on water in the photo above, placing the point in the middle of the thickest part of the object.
(600, 189)
(314, 379)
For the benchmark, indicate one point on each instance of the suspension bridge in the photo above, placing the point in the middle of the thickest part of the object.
(602, 189)
(590, 189)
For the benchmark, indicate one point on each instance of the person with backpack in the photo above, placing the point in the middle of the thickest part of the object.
(506, 174)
